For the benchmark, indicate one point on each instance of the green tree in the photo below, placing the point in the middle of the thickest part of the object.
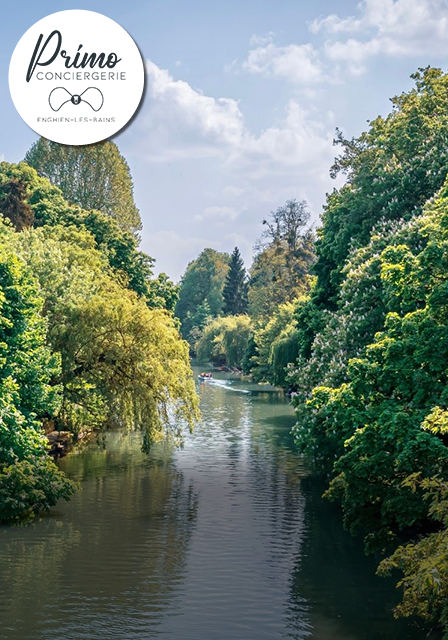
(122, 362)
(224, 340)
(26, 198)
(276, 347)
(373, 428)
(285, 253)
(202, 282)
(93, 281)
(425, 563)
(92, 176)
(29, 481)
(392, 169)
(235, 287)
(371, 374)
(286, 224)
(14, 205)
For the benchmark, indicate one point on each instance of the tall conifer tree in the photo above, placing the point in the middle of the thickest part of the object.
(235, 288)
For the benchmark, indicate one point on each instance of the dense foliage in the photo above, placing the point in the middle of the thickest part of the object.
(201, 293)
(29, 200)
(372, 373)
(261, 307)
(89, 336)
(93, 176)
(224, 340)
(29, 480)
(275, 345)
(111, 343)
(424, 563)
(391, 169)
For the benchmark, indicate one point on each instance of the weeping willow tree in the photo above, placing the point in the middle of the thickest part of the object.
(225, 340)
(275, 346)
(122, 362)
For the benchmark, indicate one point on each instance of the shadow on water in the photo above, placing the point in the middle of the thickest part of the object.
(106, 564)
(346, 600)
(225, 539)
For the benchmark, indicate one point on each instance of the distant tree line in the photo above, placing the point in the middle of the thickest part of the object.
(217, 287)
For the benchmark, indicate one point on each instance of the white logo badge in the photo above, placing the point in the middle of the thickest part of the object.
(76, 77)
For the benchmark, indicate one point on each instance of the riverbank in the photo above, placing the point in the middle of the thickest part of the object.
(62, 442)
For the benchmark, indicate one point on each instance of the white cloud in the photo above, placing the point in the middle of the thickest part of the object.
(353, 53)
(388, 27)
(298, 64)
(232, 191)
(334, 24)
(396, 28)
(181, 122)
(258, 40)
(220, 213)
(297, 140)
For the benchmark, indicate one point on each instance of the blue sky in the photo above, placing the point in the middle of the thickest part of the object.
(242, 101)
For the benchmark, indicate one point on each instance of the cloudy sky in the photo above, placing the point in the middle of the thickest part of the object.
(242, 101)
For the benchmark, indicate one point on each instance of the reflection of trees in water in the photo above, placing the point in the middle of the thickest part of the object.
(112, 558)
(259, 458)
(31, 557)
(346, 601)
(333, 591)
(277, 472)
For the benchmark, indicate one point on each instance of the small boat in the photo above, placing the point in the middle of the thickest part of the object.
(205, 377)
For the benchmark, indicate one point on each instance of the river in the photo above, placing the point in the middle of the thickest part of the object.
(224, 539)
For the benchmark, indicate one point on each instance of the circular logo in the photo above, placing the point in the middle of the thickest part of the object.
(76, 77)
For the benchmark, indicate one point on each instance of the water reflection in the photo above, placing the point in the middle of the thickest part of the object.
(108, 563)
(346, 600)
(225, 539)
(249, 522)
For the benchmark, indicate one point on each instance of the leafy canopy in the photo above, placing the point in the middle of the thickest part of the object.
(94, 176)
(225, 340)
(285, 252)
(392, 170)
(24, 196)
(201, 292)
(29, 481)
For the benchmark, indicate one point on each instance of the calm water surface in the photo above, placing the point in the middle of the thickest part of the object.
(225, 539)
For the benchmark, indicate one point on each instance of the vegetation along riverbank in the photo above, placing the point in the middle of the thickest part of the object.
(351, 318)
(87, 334)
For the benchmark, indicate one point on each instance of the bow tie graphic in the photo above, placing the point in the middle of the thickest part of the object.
(60, 96)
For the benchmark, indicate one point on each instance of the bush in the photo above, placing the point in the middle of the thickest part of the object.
(29, 480)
